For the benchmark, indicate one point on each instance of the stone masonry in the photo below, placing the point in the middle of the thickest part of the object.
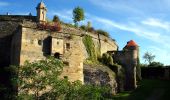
(20, 40)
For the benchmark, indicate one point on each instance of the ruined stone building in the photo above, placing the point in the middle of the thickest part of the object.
(21, 40)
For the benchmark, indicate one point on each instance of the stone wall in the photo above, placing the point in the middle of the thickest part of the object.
(7, 30)
(73, 56)
(32, 44)
(66, 45)
(101, 42)
(16, 47)
(34, 48)
(128, 60)
(18, 18)
(26, 42)
(100, 75)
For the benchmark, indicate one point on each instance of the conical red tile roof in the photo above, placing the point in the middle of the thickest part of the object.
(131, 43)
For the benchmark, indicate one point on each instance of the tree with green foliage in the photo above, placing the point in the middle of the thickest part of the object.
(149, 57)
(37, 76)
(41, 80)
(78, 15)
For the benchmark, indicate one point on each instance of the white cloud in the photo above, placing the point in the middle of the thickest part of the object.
(136, 29)
(157, 23)
(4, 3)
(134, 7)
(119, 6)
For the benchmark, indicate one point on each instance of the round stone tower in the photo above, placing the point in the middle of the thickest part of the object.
(41, 12)
(131, 46)
(132, 56)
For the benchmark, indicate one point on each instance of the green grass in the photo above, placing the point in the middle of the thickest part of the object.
(145, 90)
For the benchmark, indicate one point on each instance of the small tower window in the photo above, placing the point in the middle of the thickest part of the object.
(67, 46)
(39, 42)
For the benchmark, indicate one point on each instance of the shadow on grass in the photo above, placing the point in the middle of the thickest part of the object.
(145, 90)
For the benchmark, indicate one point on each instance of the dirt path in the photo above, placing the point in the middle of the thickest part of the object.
(156, 94)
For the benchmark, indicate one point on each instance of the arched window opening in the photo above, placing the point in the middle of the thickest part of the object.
(57, 55)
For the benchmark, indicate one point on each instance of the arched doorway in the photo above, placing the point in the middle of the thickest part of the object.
(57, 55)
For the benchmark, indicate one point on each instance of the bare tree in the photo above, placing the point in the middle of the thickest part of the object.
(149, 57)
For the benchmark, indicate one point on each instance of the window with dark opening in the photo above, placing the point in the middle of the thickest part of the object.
(39, 42)
(67, 46)
(57, 55)
(47, 45)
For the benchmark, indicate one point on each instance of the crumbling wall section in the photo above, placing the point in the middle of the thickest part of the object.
(100, 75)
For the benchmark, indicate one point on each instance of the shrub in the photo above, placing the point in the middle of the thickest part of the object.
(36, 76)
(110, 60)
(91, 29)
(39, 75)
(102, 32)
(56, 19)
(46, 26)
(83, 27)
(107, 59)
(156, 64)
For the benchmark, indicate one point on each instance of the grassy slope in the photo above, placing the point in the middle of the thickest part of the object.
(145, 90)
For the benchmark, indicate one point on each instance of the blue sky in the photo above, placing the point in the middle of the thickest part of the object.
(145, 21)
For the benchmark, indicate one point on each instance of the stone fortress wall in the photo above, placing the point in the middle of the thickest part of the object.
(21, 40)
(29, 43)
(67, 45)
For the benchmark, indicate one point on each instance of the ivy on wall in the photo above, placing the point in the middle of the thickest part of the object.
(90, 47)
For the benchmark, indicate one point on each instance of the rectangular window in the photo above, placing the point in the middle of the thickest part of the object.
(67, 46)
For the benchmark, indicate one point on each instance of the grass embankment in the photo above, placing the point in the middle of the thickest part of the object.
(148, 90)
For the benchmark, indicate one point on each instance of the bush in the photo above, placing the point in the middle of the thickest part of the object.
(102, 32)
(32, 80)
(156, 64)
(91, 29)
(56, 26)
(56, 19)
(107, 59)
(83, 27)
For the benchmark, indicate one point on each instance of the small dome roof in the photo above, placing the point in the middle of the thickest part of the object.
(41, 5)
(131, 43)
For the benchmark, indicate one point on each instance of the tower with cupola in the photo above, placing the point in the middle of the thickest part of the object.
(41, 12)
